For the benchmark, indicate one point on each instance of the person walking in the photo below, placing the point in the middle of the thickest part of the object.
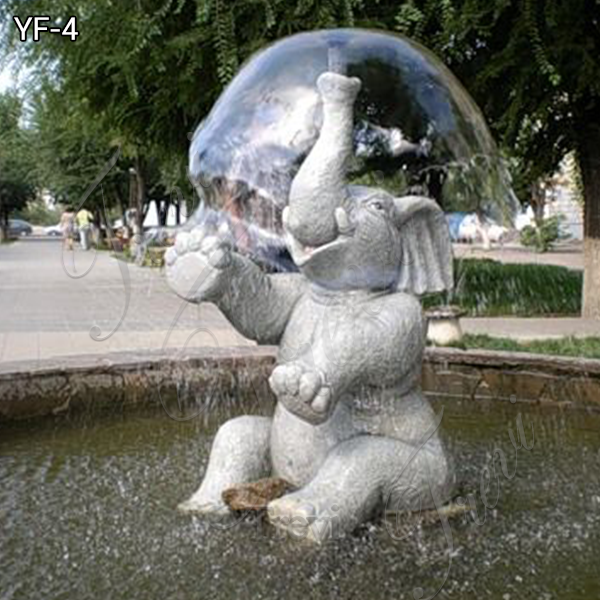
(84, 220)
(67, 225)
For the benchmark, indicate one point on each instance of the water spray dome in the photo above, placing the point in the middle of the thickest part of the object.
(416, 131)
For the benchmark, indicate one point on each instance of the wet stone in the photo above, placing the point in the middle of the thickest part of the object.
(256, 495)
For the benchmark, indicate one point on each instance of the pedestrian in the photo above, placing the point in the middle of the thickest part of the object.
(67, 225)
(84, 220)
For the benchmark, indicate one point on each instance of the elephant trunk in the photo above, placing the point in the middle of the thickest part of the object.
(320, 185)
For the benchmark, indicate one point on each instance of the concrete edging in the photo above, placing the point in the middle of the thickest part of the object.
(481, 374)
(50, 387)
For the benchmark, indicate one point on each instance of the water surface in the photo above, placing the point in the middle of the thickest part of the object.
(88, 510)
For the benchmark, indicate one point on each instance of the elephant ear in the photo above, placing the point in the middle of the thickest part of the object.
(426, 247)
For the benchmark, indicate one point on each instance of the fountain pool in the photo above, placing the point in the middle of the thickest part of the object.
(88, 510)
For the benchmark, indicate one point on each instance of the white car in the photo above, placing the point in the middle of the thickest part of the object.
(54, 230)
(470, 228)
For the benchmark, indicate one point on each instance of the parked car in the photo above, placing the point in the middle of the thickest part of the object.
(54, 230)
(468, 227)
(18, 227)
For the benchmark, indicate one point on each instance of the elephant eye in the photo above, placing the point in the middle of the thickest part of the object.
(377, 205)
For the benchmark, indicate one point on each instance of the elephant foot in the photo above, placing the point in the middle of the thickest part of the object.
(198, 265)
(313, 515)
(353, 484)
(203, 507)
(302, 391)
(298, 516)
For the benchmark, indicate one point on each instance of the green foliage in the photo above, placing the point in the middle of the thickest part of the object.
(17, 182)
(544, 237)
(567, 346)
(487, 288)
(38, 213)
(532, 66)
(71, 149)
(152, 69)
(156, 66)
(144, 74)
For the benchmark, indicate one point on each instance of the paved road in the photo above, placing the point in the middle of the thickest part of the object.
(49, 302)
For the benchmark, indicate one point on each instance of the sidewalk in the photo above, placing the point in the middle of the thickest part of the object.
(48, 310)
(531, 329)
(566, 254)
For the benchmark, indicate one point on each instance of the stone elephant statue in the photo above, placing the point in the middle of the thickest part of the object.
(352, 430)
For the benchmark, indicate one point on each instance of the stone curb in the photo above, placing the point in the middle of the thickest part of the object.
(495, 375)
(514, 360)
(174, 379)
(53, 386)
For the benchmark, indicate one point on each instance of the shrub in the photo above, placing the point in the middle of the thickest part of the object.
(542, 238)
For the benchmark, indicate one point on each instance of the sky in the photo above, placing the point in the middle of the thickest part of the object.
(6, 80)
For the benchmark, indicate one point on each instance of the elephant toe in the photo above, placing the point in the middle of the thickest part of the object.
(293, 514)
(310, 383)
(321, 402)
(206, 508)
(285, 380)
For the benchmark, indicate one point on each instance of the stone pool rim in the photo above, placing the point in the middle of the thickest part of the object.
(37, 388)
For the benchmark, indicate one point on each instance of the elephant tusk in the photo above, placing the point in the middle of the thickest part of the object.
(285, 218)
(342, 219)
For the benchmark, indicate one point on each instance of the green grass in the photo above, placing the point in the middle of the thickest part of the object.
(568, 346)
(488, 288)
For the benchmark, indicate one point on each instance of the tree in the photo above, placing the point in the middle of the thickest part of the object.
(71, 150)
(37, 212)
(73, 147)
(534, 68)
(154, 68)
(17, 185)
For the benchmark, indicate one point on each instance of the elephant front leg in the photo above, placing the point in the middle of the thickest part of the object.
(240, 454)
(360, 478)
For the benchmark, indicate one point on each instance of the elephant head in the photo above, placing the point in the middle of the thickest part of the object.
(346, 237)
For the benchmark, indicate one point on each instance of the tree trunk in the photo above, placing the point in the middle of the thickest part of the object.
(141, 194)
(120, 191)
(104, 220)
(3, 226)
(132, 202)
(589, 158)
(163, 212)
(538, 202)
(146, 206)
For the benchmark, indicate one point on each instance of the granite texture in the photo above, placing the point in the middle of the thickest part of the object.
(352, 430)
(30, 389)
